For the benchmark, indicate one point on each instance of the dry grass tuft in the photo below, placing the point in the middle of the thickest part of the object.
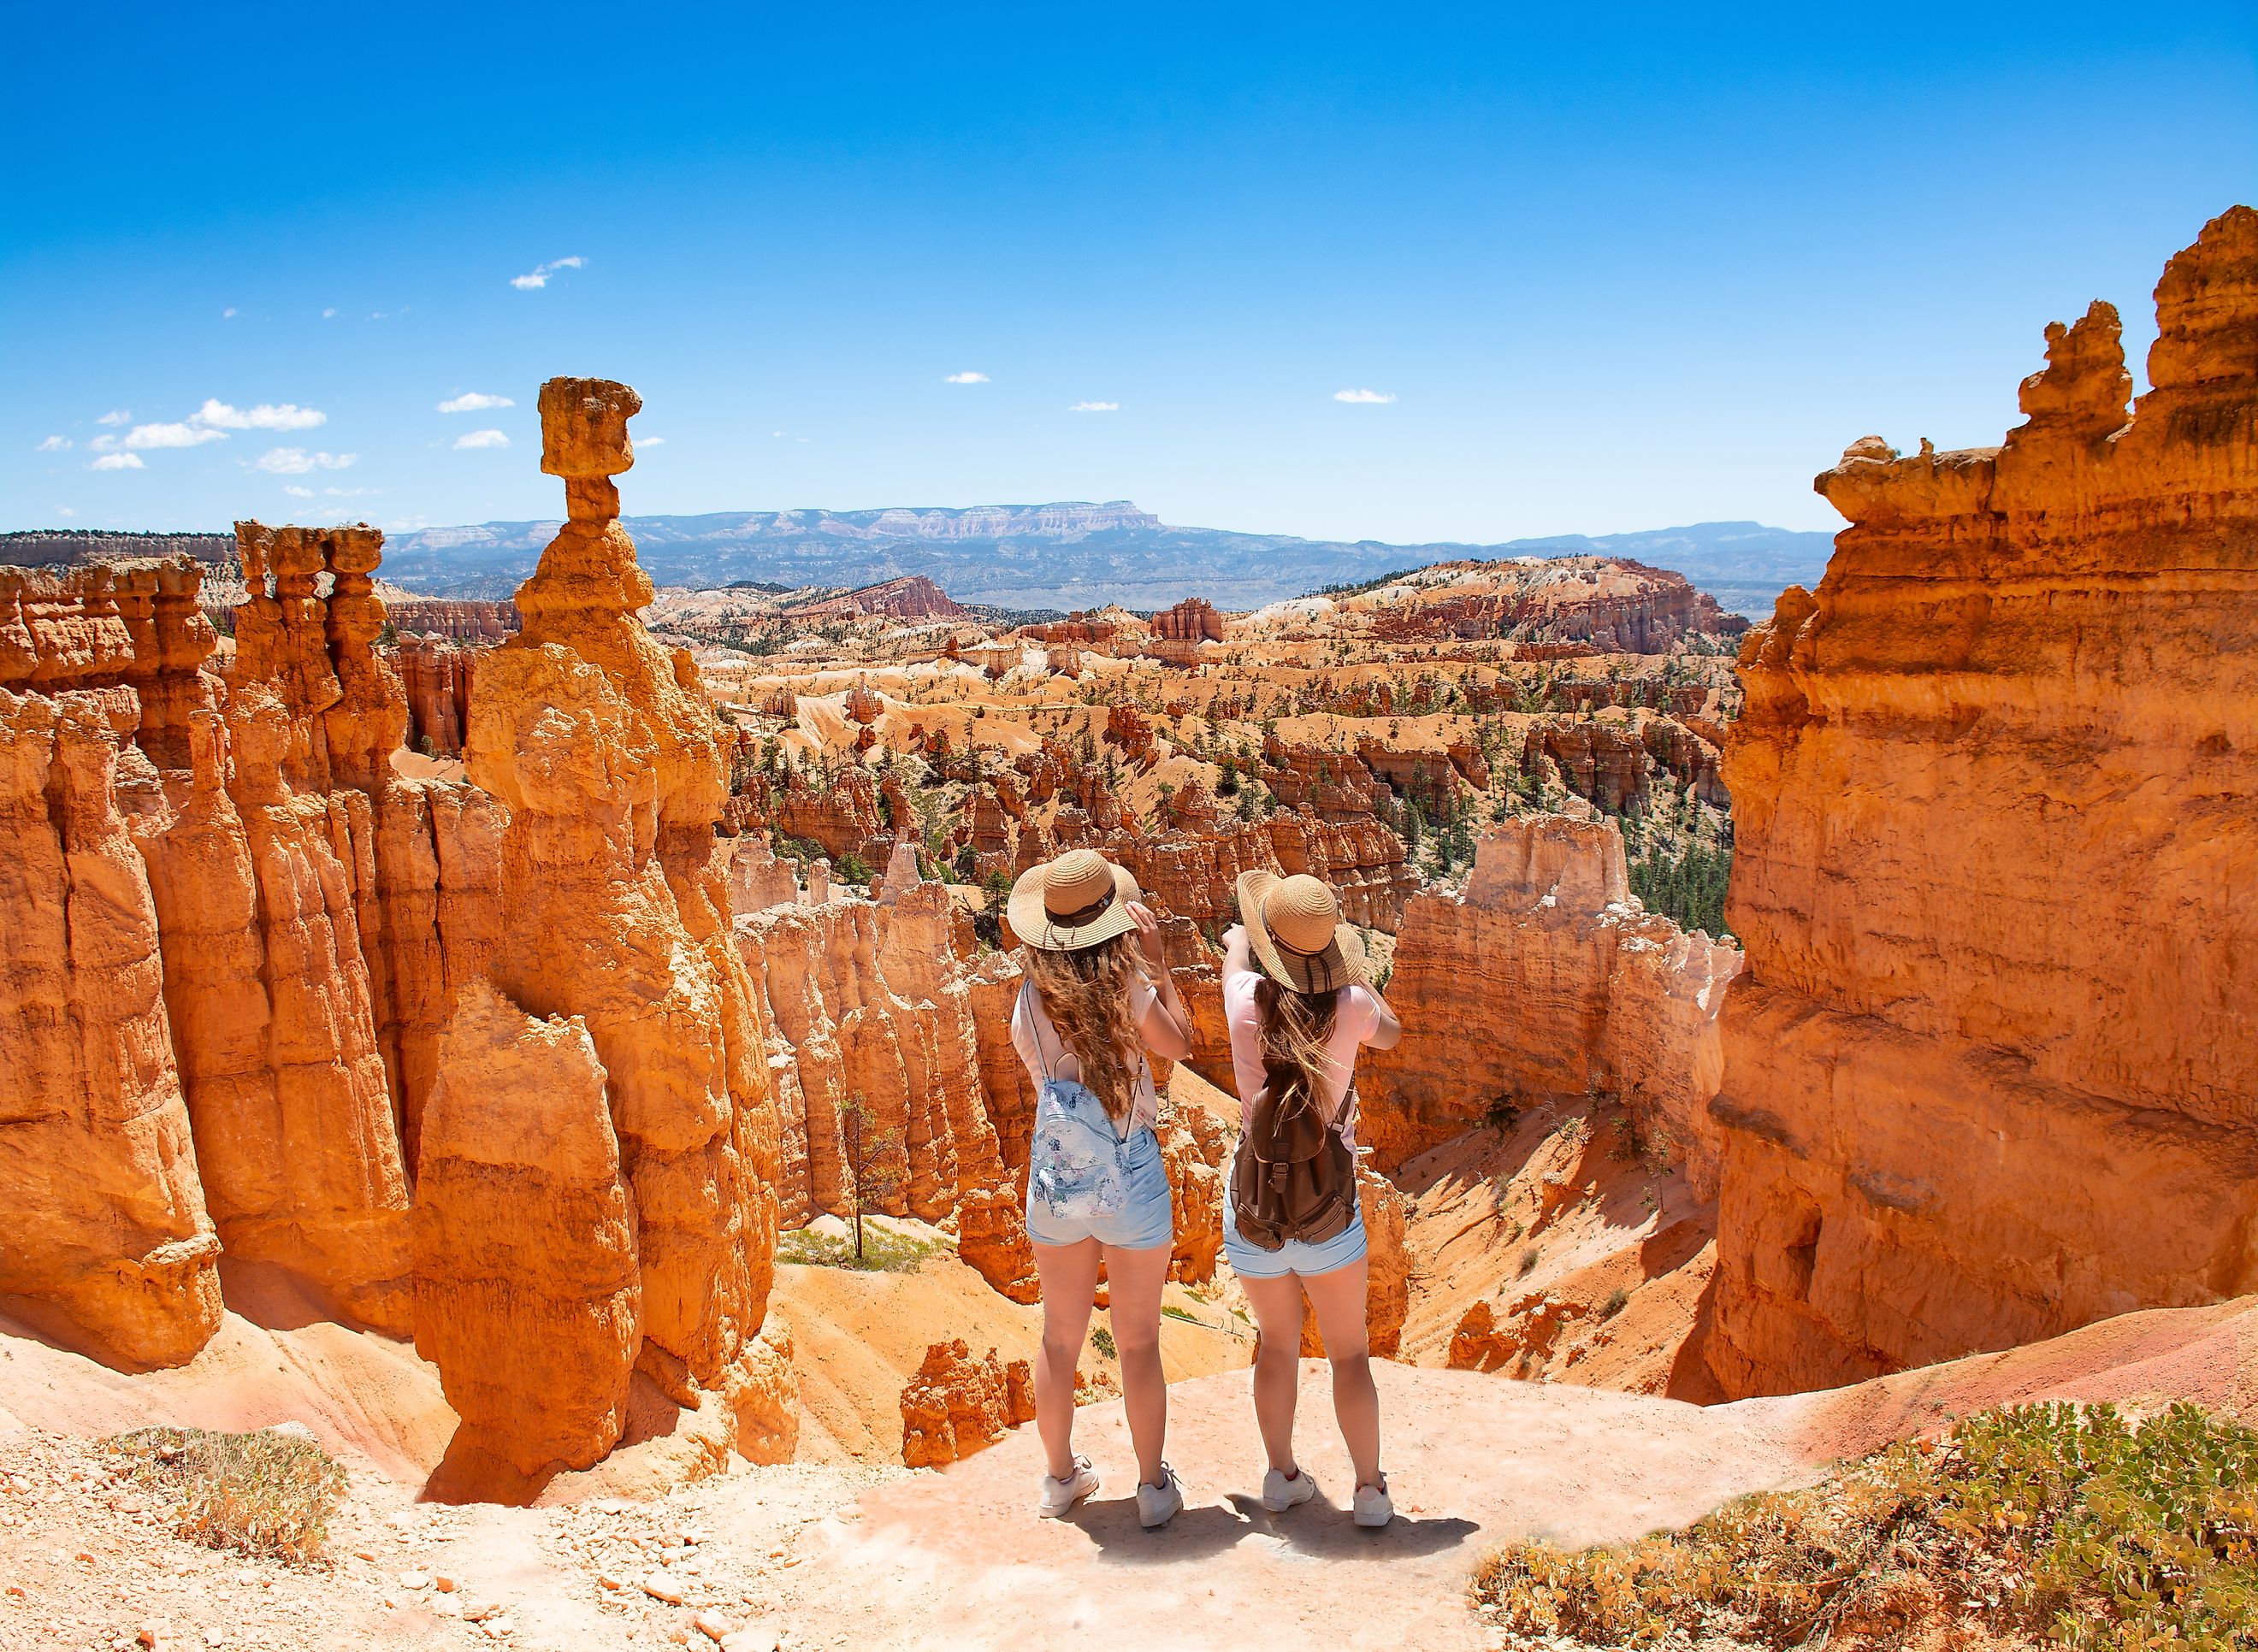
(2046, 1526)
(262, 1493)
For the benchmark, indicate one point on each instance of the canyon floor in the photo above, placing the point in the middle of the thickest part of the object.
(821, 1555)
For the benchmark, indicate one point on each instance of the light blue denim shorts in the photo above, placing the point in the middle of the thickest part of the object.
(1148, 1219)
(1252, 1262)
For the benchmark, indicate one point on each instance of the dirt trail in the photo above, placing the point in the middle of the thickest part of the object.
(839, 1556)
(957, 1560)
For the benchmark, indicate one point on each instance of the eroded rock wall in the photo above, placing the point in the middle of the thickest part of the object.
(107, 1239)
(1989, 1075)
(257, 889)
(879, 1005)
(1544, 980)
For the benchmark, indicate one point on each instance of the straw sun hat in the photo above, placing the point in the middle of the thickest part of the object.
(1074, 901)
(1294, 929)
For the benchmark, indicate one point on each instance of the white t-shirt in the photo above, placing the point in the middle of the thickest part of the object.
(1039, 1045)
(1356, 1018)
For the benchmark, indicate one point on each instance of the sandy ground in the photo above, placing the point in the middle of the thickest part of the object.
(858, 1338)
(836, 1555)
(1547, 1227)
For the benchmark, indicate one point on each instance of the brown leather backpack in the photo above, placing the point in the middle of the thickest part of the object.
(1294, 1178)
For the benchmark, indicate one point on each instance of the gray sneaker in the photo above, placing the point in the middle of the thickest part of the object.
(1157, 1505)
(1060, 1496)
(1373, 1506)
(1280, 1493)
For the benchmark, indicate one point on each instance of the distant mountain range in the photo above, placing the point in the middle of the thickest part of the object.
(1070, 556)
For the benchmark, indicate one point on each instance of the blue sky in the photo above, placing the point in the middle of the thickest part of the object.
(1611, 274)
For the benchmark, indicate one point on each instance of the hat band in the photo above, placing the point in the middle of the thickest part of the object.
(1080, 915)
(1283, 945)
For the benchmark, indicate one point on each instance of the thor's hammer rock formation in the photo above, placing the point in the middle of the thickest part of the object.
(616, 912)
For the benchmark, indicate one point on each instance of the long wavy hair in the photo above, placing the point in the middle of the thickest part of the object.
(1085, 992)
(1295, 1028)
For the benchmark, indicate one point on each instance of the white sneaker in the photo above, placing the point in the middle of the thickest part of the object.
(1280, 1493)
(1060, 1496)
(1373, 1506)
(1157, 1505)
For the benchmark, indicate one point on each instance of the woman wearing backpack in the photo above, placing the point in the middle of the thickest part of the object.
(1096, 997)
(1296, 998)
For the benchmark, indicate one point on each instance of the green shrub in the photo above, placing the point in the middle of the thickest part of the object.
(262, 1493)
(2050, 1525)
(1102, 1340)
(884, 1250)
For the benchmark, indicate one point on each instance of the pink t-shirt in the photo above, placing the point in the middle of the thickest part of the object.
(1356, 1018)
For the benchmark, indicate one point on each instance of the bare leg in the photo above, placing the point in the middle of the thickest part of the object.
(1136, 1278)
(1278, 1365)
(1339, 1299)
(1069, 1277)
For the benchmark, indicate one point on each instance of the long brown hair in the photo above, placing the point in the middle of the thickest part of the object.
(1295, 1028)
(1085, 992)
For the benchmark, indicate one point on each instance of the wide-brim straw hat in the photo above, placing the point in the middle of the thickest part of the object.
(1294, 932)
(1077, 900)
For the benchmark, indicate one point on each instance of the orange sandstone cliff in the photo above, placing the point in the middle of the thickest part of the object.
(1988, 1074)
(107, 1234)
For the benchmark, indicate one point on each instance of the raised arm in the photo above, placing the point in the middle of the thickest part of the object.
(1236, 959)
(1390, 1030)
(1166, 1026)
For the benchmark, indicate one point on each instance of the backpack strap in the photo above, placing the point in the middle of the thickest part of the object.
(1030, 1005)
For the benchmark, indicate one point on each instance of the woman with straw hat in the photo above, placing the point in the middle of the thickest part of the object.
(1297, 1001)
(1096, 998)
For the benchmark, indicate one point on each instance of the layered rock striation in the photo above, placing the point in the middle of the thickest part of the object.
(1989, 1075)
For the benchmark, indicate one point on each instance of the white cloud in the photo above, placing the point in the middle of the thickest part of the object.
(328, 313)
(537, 277)
(1095, 406)
(115, 416)
(228, 314)
(53, 445)
(474, 401)
(65, 510)
(264, 417)
(1371, 396)
(481, 439)
(117, 462)
(297, 461)
(172, 435)
(966, 379)
(296, 492)
(651, 441)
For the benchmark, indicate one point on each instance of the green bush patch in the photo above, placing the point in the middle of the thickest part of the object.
(2042, 1526)
(884, 1250)
(262, 1493)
